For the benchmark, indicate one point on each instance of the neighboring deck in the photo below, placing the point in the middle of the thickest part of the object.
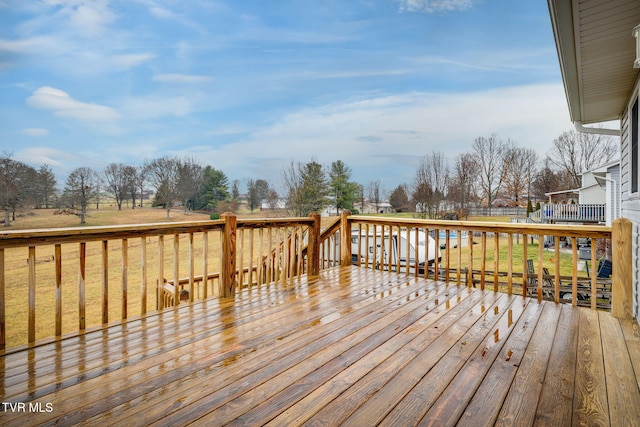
(354, 347)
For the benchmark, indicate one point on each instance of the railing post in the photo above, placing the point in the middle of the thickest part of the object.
(622, 287)
(313, 252)
(228, 273)
(345, 238)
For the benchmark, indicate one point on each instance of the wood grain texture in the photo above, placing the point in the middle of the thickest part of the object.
(350, 346)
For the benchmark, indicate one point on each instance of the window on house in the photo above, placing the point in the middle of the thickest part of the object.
(634, 147)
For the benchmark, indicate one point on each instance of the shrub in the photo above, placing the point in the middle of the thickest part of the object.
(214, 216)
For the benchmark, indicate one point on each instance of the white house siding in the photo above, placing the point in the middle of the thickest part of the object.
(630, 204)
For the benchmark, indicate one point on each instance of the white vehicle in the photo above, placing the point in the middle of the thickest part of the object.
(392, 250)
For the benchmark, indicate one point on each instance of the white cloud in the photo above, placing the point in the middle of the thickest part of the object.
(35, 132)
(434, 6)
(133, 59)
(385, 136)
(62, 105)
(155, 106)
(180, 78)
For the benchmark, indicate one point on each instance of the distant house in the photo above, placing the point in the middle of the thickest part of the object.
(368, 207)
(599, 61)
(279, 204)
(602, 186)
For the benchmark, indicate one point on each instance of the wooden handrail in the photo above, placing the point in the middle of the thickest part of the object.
(268, 250)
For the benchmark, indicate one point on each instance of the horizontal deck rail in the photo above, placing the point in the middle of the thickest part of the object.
(66, 281)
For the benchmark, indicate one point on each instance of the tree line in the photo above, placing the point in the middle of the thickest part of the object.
(494, 170)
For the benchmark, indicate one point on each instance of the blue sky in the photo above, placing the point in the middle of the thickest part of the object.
(250, 86)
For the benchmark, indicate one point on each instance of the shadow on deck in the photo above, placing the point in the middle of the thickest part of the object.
(354, 347)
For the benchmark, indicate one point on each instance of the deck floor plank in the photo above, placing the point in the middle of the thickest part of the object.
(556, 403)
(352, 346)
(482, 409)
(622, 387)
(519, 405)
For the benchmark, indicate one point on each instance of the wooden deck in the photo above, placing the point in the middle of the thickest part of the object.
(353, 347)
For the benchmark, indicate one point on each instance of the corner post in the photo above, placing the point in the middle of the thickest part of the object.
(345, 238)
(622, 287)
(228, 274)
(313, 252)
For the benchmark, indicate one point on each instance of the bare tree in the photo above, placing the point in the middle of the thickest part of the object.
(140, 179)
(117, 182)
(520, 167)
(575, 152)
(489, 156)
(190, 180)
(430, 184)
(15, 182)
(80, 188)
(375, 193)
(257, 191)
(163, 176)
(235, 189)
(462, 188)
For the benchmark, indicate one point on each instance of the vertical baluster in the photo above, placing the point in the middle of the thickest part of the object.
(540, 267)
(176, 269)
(556, 281)
(160, 281)
(574, 281)
(594, 274)
(374, 255)
(483, 260)
(407, 254)
(3, 324)
(525, 266)
(241, 259)
(251, 243)
(448, 254)
(427, 246)
(32, 294)
(416, 256)
(143, 275)
(125, 278)
(436, 263)
(292, 251)
(459, 266)
(81, 287)
(191, 272)
(271, 257)
(260, 261)
(366, 247)
(105, 281)
(389, 249)
(496, 260)
(284, 268)
(205, 265)
(470, 238)
(398, 247)
(510, 263)
(58, 273)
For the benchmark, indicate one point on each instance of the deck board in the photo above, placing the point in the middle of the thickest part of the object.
(353, 347)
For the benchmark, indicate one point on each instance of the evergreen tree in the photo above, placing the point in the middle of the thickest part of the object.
(343, 191)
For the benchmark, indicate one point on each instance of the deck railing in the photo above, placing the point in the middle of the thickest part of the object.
(585, 212)
(541, 260)
(59, 281)
(64, 281)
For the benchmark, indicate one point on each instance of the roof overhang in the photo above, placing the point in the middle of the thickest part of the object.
(596, 49)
